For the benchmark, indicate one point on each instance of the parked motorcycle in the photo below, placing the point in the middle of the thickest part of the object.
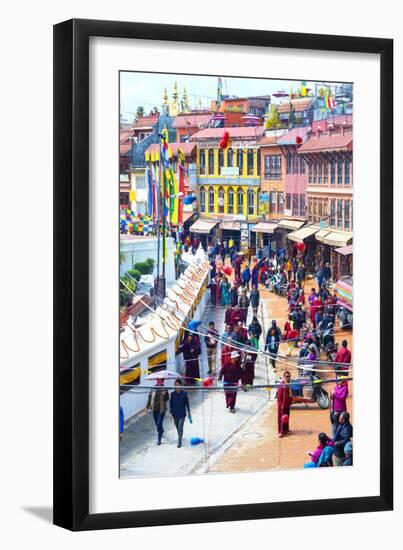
(308, 389)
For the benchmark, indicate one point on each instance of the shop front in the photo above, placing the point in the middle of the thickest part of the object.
(265, 237)
(344, 261)
(333, 240)
(206, 230)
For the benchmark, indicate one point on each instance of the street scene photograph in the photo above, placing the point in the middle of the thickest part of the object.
(236, 274)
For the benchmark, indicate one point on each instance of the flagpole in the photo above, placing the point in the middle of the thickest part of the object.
(158, 225)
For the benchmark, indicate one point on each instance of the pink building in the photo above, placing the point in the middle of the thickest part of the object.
(296, 172)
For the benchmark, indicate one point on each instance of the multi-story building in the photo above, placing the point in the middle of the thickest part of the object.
(272, 173)
(255, 105)
(228, 179)
(296, 172)
(297, 112)
(329, 157)
(187, 124)
(125, 145)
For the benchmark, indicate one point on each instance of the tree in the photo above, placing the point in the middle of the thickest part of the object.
(273, 119)
(140, 111)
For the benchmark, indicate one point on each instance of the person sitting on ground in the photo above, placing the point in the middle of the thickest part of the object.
(343, 434)
(348, 453)
(328, 336)
(324, 441)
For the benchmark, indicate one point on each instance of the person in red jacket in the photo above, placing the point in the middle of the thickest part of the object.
(231, 373)
(284, 400)
(343, 355)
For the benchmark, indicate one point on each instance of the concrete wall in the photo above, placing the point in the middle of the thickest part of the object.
(138, 249)
(134, 401)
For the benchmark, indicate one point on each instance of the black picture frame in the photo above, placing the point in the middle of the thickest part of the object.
(71, 274)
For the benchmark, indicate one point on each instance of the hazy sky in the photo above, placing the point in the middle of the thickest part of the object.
(146, 89)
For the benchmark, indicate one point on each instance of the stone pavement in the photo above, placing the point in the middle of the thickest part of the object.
(140, 455)
(258, 448)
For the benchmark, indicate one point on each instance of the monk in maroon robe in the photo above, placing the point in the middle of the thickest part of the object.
(225, 353)
(237, 267)
(228, 315)
(231, 373)
(236, 316)
(284, 400)
(248, 371)
(191, 349)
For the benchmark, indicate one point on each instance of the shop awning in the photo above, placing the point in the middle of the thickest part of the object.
(202, 226)
(187, 215)
(303, 233)
(232, 226)
(264, 227)
(321, 234)
(338, 238)
(345, 250)
(290, 224)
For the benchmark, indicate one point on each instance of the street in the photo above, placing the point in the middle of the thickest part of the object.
(245, 441)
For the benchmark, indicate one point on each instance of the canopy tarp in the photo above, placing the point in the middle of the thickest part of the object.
(264, 227)
(234, 226)
(303, 233)
(202, 226)
(345, 250)
(290, 224)
(338, 238)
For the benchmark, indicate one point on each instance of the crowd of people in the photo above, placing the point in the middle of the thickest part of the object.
(231, 356)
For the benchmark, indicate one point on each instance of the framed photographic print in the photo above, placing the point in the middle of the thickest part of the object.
(223, 274)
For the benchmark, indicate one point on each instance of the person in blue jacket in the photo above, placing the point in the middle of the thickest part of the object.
(121, 422)
(178, 405)
(246, 276)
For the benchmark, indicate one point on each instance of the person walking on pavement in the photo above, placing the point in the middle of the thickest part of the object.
(343, 355)
(243, 303)
(327, 275)
(225, 286)
(178, 406)
(254, 331)
(157, 404)
(246, 276)
(211, 340)
(319, 276)
(231, 373)
(273, 338)
(254, 299)
(284, 400)
(191, 350)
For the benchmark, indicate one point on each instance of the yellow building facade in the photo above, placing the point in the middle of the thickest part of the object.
(228, 181)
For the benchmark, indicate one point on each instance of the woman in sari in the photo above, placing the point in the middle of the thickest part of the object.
(225, 287)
